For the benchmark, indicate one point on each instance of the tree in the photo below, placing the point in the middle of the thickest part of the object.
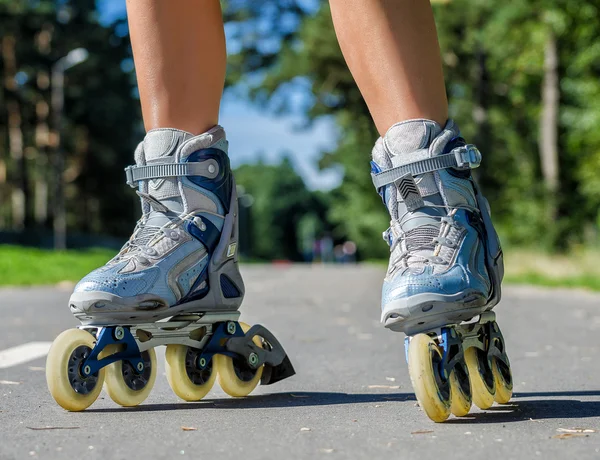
(495, 68)
(280, 203)
(101, 117)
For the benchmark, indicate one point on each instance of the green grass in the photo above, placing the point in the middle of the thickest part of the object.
(30, 266)
(577, 269)
(580, 282)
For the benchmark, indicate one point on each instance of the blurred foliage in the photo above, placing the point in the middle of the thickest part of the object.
(30, 266)
(494, 63)
(283, 212)
(284, 55)
(101, 122)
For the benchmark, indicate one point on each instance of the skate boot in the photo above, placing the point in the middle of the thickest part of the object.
(176, 282)
(445, 268)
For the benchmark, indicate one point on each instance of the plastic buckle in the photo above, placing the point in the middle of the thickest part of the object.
(467, 157)
(388, 237)
(129, 177)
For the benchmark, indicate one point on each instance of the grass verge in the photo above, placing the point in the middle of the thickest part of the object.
(577, 269)
(24, 266)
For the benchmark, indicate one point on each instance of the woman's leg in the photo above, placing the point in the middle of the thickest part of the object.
(180, 59)
(396, 60)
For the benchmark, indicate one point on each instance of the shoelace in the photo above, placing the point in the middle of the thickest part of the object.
(421, 238)
(143, 234)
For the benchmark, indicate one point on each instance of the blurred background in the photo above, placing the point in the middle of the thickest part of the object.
(524, 85)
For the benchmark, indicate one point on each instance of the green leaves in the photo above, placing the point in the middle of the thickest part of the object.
(101, 117)
(494, 62)
(284, 213)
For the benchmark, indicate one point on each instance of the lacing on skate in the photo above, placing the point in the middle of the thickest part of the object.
(143, 235)
(423, 238)
(428, 239)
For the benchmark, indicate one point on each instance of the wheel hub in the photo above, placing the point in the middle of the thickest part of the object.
(81, 382)
(134, 379)
(197, 369)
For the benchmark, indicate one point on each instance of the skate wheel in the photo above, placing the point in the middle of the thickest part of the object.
(124, 385)
(69, 388)
(431, 389)
(481, 377)
(503, 381)
(236, 378)
(460, 391)
(186, 379)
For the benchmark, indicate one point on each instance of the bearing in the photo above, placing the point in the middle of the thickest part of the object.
(253, 359)
(119, 333)
(231, 327)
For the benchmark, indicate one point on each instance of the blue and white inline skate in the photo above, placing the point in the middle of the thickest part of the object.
(445, 268)
(176, 282)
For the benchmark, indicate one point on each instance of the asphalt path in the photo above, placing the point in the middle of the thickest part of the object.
(351, 397)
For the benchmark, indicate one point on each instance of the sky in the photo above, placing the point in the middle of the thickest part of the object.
(254, 133)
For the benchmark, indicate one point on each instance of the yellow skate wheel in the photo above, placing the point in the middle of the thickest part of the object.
(460, 391)
(503, 381)
(236, 378)
(187, 379)
(69, 388)
(124, 385)
(481, 377)
(433, 393)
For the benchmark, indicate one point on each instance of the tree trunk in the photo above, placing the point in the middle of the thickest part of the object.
(19, 192)
(549, 124)
(43, 41)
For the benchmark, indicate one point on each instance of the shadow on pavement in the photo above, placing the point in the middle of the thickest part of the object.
(551, 394)
(517, 411)
(537, 409)
(274, 400)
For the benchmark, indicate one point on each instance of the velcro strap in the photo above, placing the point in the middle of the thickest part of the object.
(464, 157)
(135, 174)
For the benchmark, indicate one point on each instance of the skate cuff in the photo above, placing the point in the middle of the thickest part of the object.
(135, 174)
(464, 157)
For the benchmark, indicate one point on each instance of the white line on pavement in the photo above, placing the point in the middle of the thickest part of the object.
(23, 353)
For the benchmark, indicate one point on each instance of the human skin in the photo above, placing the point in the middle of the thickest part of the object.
(180, 59)
(390, 46)
(392, 50)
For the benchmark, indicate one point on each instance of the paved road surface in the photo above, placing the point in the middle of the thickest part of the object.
(351, 398)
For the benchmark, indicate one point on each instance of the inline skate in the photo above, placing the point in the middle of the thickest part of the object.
(176, 282)
(445, 270)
